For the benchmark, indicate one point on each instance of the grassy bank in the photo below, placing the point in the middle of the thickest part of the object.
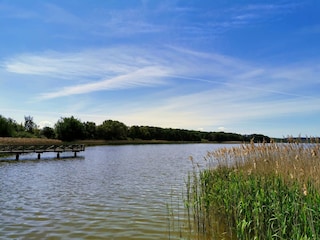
(257, 191)
(28, 141)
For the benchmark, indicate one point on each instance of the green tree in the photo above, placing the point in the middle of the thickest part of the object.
(6, 128)
(29, 124)
(90, 130)
(145, 133)
(48, 132)
(69, 129)
(258, 138)
(17, 127)
(111, 129)
(134, 132)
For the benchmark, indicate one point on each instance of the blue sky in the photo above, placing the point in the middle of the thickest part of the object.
(237, 66)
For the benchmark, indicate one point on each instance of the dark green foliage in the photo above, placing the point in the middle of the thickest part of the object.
(24, 134)
(170, 134)
(6, 128)
(134, 132)
(69, 129)
(29, 124)
(90, 130)
(9, 128)
(258, 138)
(48, 132)
(223, 136)
(112, 130)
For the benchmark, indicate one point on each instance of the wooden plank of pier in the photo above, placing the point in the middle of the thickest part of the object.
(39, 149)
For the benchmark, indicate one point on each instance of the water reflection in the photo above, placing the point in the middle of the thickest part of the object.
(28, 159)
(109, 192)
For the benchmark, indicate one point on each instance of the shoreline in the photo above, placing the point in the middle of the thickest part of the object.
(99, 142)
(141, 142)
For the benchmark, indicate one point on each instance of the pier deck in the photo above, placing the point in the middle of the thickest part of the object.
(39, 149)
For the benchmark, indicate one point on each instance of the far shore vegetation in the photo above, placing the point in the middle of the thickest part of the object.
(256, 191)
(71, 129)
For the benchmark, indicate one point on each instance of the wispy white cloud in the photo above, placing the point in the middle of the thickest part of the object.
(120, 67)
(150, 47)
(252, 14)
(84, 64)
(143, 77)
(145, 19)
(217, 21)
(277, 7)
(166, 20)
(92, 70)
(124, 24)
(198, 89)
(214, 108)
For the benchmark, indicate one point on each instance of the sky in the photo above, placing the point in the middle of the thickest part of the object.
(235, 66)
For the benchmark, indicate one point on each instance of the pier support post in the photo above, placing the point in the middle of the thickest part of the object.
(39, 156)
(58, 155)
(17, 156)
(75, 154)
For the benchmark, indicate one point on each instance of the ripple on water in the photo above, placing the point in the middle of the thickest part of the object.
(111, 192)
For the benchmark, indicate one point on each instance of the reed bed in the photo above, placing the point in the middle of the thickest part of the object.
(28, 141)
(257, 191)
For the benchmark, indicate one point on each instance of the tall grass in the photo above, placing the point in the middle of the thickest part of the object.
(257, 191)
(28, 141)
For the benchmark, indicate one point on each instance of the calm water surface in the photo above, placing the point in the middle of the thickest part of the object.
(108, 192)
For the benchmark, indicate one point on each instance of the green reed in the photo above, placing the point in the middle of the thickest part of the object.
(264, 191)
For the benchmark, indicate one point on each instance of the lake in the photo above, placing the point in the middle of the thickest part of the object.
(107, 192)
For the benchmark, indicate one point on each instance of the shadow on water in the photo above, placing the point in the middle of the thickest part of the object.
(30, 159)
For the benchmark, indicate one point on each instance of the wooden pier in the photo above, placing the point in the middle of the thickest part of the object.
(39, 149)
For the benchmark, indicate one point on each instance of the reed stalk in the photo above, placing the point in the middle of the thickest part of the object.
(257, 191)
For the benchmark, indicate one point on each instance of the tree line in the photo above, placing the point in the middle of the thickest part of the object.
(71, 128)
